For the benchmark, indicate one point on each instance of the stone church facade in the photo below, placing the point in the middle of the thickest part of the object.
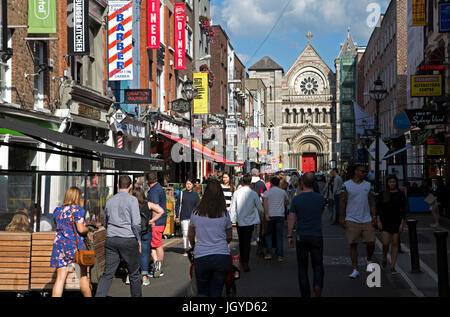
(304, 114)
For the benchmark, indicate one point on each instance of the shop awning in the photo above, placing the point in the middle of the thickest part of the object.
(397, 152)
(110, 158)
(200, 148)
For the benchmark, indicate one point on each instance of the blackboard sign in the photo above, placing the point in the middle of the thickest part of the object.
(138, 96)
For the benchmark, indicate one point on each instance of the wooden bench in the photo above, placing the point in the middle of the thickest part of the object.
(14, 261)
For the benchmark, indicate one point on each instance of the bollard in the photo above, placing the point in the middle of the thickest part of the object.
(413, 245)
(442, 263)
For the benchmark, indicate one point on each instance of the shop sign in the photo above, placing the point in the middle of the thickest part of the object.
(262, 152)
(180, 41)
(401, 122)
(444, 17)
(422, 118)
(168, 127)
(107, 163)
(253, 135)
(419, 17)
(201, 100)
(41, 16)
(138, 96)
(119, 116)
(131, 129)
(435, 150)
(426, 85)
(254, 144)
(431, 67)
(181, 106)
(78, 27)
(89, 112)
(153, 24)
(120, 40)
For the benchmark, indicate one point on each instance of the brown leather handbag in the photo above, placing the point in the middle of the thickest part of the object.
(82, 257)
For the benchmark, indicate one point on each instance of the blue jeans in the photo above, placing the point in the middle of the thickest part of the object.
(211, 272)
(145, 255)
(279, 224)
(309, 246)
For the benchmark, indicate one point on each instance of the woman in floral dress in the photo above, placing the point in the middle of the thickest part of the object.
(64, 245)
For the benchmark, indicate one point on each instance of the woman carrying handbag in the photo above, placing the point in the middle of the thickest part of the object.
(70, 225)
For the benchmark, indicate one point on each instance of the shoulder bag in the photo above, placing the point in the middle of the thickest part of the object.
(82, 257)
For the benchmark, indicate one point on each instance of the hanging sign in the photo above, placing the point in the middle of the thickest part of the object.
(419, 17)
(42, 16)
(436, 150)
(421, 118)
(426, 85)
(180, 45)
(201, 100)
(138, 96)
(181, 106)
(153, 24)
(401, 122)
(120, 40)
(78, 27)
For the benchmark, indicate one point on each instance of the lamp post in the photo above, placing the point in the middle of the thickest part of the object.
(189, 91)
(378, 94)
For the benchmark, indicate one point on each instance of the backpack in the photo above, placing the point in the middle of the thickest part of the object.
(257, 187)
(145, 218)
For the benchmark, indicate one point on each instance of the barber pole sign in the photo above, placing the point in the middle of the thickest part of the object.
(180, 45)
(120, 141)
(120, 46)
(153, 24)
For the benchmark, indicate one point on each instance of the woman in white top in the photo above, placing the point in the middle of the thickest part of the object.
(228, 189)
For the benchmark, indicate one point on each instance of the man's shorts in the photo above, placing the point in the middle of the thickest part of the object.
(157, 233)
(355, 231)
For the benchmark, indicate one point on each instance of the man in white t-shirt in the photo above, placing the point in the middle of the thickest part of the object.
(274, 201)
(358, 216)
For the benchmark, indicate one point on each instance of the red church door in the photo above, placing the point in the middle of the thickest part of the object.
(309, 162)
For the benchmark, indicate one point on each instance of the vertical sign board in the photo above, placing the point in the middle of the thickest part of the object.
(153, 24)
(180, 40)
(201, 100)
(444, 17)
(78, 27)
(42, 16)
(120, 46)
(419, 17)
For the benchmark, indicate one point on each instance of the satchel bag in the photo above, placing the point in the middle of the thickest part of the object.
(82, 257)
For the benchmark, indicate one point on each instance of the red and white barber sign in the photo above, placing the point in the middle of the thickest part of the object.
(120, 44)
(153, 24)
(180, 40)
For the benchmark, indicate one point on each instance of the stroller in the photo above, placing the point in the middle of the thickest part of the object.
(232, 276)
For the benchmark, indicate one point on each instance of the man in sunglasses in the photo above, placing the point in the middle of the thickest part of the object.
(358, 216)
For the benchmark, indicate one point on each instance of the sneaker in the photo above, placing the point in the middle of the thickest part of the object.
(146, 281)
(394, 271)
(370, 267)
(157, 270)
(268, 257)
(280, 259)
(185, 254)
(254, 244)
(354, 274)
(127, 281)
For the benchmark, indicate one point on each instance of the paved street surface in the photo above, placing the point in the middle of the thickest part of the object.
(273, 279)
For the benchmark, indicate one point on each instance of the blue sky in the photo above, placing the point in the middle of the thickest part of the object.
(247, 23)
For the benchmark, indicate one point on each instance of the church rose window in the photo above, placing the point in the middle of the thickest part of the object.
(309, 86)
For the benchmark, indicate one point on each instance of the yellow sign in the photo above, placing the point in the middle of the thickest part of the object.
(254, 144)
(201, 100)
(426, 85)
(419, 17)
(435, 150)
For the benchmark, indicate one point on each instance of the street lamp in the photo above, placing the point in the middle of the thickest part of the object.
(189, 92)
(378, 94)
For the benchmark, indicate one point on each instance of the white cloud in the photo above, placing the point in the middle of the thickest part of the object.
(243, 18)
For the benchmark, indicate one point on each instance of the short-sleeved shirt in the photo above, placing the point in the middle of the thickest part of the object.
(210, 235)
(276, 198)
(308, 209)
(157, 196)
(64, 244)
(358, 209)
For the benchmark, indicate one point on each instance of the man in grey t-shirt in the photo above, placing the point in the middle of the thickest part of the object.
(122, 221)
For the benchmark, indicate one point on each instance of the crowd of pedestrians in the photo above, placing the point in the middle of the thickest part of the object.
(257, 204)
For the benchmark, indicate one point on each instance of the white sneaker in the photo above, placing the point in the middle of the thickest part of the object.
(146, 281)
(185, 254)
(370, 267)
(254, 243)
(354, 274)
(127, 281)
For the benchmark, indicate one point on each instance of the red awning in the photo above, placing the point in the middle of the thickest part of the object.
(200, 148)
